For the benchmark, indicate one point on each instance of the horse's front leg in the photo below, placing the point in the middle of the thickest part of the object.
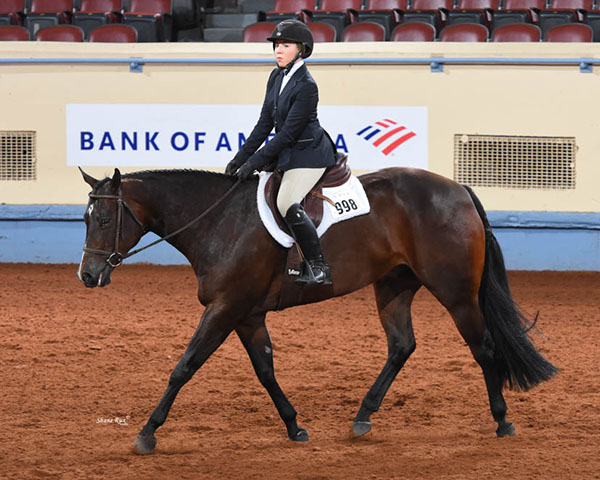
(255, 337)
(215, 326)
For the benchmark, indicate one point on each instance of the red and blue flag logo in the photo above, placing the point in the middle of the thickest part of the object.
(386, 135)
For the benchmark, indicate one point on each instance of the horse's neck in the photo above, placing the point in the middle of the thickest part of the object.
(173, 201)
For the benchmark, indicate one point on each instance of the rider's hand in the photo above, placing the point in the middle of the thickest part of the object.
(232, 167)
(245, 171)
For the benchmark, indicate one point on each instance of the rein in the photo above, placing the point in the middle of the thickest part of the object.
(115, 258)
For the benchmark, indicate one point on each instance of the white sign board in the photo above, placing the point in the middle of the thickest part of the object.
(158, 135)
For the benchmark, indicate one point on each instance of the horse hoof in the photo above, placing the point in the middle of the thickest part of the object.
(144, 444)
(506, 428)
(300, 436)
(360, 428)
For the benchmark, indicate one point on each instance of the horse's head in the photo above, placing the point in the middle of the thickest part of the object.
(112, 229)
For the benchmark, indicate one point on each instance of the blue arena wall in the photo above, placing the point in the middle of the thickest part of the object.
(529, 240)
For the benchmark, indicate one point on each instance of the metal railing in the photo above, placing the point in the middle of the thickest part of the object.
(136, 64)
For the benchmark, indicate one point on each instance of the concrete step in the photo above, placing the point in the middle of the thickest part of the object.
(190, 35)
(248, 6)
(223, 34)
(229, 20)
(226, 4)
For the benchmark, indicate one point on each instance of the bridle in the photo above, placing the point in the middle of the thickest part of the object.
(115, 258)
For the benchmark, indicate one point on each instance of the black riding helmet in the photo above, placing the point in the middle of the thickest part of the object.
(296, 32)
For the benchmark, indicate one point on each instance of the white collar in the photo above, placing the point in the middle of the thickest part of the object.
(296, 66)
(286, 78)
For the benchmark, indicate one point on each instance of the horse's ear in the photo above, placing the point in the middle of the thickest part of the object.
(91, 181)
(116, 180)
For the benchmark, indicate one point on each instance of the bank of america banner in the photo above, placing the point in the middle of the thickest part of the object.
(201, 136)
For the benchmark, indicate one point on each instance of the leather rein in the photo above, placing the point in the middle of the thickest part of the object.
(115, 258)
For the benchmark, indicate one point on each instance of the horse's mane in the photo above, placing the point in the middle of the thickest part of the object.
(146, 174)
(175, 171)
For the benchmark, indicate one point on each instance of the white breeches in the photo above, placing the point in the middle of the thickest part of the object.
(295, 184)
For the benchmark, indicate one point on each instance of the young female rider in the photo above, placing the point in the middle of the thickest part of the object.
(301, 149)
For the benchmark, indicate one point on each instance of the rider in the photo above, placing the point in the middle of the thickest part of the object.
(301, 149)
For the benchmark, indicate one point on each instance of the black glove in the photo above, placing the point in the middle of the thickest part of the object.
(245, 171)
(232, 167)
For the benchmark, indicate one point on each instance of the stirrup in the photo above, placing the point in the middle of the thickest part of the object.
(314, 274)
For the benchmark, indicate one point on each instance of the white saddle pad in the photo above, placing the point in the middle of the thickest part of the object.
(350, 201)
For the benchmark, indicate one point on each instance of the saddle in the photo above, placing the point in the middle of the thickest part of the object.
(334, 176)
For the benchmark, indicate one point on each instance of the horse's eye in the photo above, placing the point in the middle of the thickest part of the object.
(104, 221)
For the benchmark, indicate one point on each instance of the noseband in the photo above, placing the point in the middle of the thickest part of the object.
(115, 258)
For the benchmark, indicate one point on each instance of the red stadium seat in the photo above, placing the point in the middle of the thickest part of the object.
(114, 33)
(364, 32)
(46, 13)
(322, 32)
(429, 11)
(286, 9)
(386, 4)
(60, 33)
(151, 18)
(11, 12)
(93, 13)
(518, 11)
(571, 4)
(464, 32)
(338, 13)
(385, 12)
(283, 7)
(287, 6)
(477, 4)
(524, 4)
(413, 32)
(570, 32)
(258, 32)
(563, 11)
(50, 6)
(430, 5)
(100, 6)
(517, 32)
(150, 6)
(339, 5)
(13, 33)
(473, 11)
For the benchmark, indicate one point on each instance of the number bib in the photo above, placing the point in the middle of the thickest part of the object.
(349, 200)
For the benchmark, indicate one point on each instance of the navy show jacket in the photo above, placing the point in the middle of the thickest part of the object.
(299, 141)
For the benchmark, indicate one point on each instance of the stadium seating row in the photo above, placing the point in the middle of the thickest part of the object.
(151, 18)
(322, 32)
(114, 33)
(345, 20)
(440, 13)
(425, 32)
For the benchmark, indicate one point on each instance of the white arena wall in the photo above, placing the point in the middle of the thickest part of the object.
(549, 218)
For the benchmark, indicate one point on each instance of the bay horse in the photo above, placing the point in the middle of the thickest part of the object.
(422, 230)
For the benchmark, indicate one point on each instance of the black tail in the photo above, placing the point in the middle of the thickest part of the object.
(522, 366)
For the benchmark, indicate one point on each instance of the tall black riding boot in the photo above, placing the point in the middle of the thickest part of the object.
(316, 271)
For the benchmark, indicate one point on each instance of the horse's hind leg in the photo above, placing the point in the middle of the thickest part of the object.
(458, 290)
(394, 294)
(468, 318)
(214, 328)
(255, 338)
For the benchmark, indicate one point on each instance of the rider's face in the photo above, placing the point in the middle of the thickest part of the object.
(285, 52)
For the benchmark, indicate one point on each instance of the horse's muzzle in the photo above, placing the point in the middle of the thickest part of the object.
(101, 280)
